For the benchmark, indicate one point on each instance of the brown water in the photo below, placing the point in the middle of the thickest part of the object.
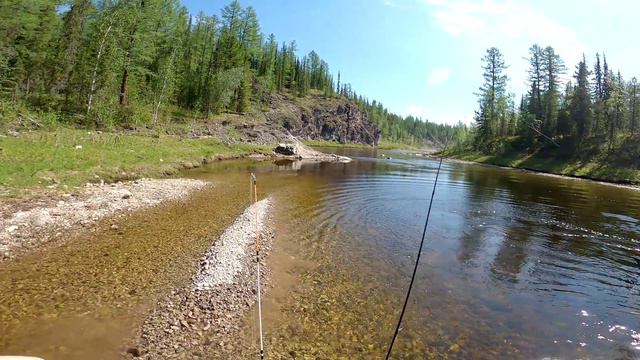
(517, 265)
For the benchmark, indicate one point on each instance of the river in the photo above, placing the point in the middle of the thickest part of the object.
(516, 265)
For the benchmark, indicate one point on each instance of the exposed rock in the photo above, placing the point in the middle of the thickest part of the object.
(134, 351)
(126, 194)
(295, 150)
(311, 118)
(285, 149)
(344, 123)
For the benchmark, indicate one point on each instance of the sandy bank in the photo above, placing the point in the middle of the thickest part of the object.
(28, 225)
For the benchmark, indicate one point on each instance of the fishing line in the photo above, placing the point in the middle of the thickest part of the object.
(543, 135)
(255, 201)
(415, 267)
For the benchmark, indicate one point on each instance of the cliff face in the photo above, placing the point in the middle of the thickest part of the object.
(310, 118)
(317, 118)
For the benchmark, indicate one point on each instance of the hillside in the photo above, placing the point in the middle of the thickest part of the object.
(152, 65)
(36, 152)
(313, 117)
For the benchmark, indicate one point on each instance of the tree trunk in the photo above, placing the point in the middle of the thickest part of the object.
(95, 69)
(124, 87)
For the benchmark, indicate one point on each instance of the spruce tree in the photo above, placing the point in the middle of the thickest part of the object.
(581, 101)
(491, 96)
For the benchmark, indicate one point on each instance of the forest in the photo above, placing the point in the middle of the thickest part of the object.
(596, 109)
(139, 64)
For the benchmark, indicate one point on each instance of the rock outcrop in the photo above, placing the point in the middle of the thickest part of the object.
(295, 150)
(310, 118)
(333, 120)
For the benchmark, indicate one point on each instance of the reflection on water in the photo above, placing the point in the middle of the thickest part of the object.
(517, 265)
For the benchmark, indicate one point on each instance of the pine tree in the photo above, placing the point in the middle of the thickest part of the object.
(615, 108)
(634, 105)
(536, 80)
(69, 45)
(491, 96)
(581, 101)
(553, 68)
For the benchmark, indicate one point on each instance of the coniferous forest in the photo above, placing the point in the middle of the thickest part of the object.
(134, 63)
(582, 113)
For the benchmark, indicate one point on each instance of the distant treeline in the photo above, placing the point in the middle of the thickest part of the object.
(597, 104)
(115, 63)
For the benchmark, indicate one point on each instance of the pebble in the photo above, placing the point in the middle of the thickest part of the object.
(95, 202)
(209, 316)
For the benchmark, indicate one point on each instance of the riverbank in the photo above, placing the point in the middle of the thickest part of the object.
(597, 167)
(39, 163)
(30, 224)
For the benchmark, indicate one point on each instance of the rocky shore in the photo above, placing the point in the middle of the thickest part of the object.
(200, 319)
(27, 225)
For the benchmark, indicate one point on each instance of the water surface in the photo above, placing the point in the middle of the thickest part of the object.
(517, 265)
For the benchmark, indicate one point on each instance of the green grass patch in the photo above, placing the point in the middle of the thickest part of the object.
(593, 160)
(72, 156)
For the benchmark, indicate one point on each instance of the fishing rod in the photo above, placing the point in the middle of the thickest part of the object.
(545, 136)
(255, 201)
(415, 267)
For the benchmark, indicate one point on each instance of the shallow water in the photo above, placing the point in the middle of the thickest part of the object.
(516, 265)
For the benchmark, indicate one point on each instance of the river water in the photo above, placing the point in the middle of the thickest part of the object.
(516, 265)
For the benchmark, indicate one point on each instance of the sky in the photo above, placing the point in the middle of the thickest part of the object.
(423, 57)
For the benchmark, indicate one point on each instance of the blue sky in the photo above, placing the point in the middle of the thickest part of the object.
(422, 57)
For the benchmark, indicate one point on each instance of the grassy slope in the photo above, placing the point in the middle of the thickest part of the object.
(44, 153)
(594, 160)
(44, 158)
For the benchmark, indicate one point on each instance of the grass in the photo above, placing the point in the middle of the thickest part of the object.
(49, 149)
(70, 157)
(594, 160)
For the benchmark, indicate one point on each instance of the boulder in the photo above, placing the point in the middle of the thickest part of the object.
(286, 149)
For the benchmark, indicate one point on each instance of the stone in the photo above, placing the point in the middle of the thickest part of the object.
(134, 351)
(286, 149)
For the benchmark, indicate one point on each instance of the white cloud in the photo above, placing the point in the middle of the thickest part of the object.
(390, 3)
(438, 76)
(512, 26)
(442, 117)
(416, 111)
(495, 20)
